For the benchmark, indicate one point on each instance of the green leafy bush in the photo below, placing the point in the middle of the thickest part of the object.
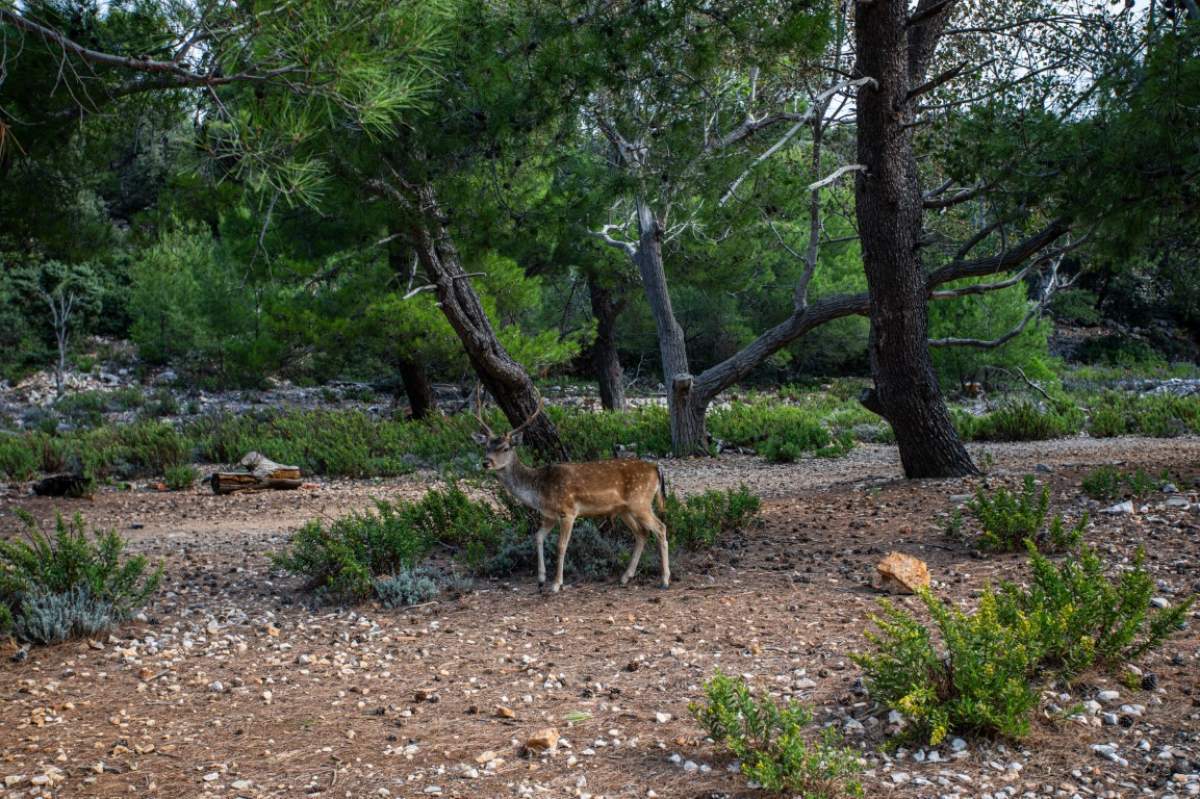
(1119, 350)
(342, 559)
(769, 741)
(55, 587)
(982, 675)
(1076, 306)
(1082, 618)
(1108, 483)
(700, 519)
(781, 433)
(18, 460)
(1021, 421)
(181, 477)
(1008, 519)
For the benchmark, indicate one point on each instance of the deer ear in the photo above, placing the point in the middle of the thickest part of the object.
(480, 438)
(515, 438)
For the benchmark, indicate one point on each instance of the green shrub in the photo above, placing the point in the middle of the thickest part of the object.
(1020, 421)
(1107, 483)
(18, 460)
(1082, 618)
(54, 587)
(769, 741)
(781, 433)
(342, 559)
(182, 477)
(1076, 306)
(1007, 520)
(593, 554)
(1119, 350)
(591, 436)
(982, 676)
(1107, 422)
(1103, 483)
(700, 519)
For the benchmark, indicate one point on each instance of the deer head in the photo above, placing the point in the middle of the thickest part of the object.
(500, 451)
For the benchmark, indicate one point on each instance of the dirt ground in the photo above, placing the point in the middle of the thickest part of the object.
(233, 686)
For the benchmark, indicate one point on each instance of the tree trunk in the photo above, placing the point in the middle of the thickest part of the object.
(416, 387)
(503, 377)
(889, 212)
(604, 351)
(688, 435)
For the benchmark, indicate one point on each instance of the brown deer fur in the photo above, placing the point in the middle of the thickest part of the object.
(563, 492)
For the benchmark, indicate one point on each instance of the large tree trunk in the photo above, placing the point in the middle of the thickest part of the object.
(604, 351)
(416, 387)
(503, 377)
(688, 435)
(889, 209)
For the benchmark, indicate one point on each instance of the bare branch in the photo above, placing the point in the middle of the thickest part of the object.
(837, 173)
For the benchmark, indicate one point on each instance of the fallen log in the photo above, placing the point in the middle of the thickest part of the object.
(64, 485)
(262, 474)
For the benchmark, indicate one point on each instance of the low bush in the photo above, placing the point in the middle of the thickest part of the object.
(781, 433)
(701, 519)
(181, 477)
(1021, 421)
(1076, 306)
(67, 584)
(982, 674)
(1119, 350)
(18, 460)
(406, 587)
(1107, 483)
(1008, 519)
(769, 741)
(1082, 618)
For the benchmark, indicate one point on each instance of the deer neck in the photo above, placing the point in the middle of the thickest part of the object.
(523, 483)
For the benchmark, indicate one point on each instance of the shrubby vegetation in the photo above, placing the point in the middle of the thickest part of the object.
(383, 553)
(67, 584)
(1009, 520)
(771, 742)
(979, 671)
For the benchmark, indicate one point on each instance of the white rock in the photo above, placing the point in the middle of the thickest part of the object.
(1108, 697)
(958, 745)
(1119, 508)
(662, 718)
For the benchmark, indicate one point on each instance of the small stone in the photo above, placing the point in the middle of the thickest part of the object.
(1108, 697)
(900, 777)
(241, 785)
(434, 790)
(1160, 602)
(485, 757)
(1109, 719)
(1119, 508)
(804, 684)
(216, 687)
(958, 745)
(690, 767)
(662, 718)
(212, 776)
(505, 712)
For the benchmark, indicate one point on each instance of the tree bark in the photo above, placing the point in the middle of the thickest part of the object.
(604, 351)
(688, 433)
(416, 387)
(889, 213)
(504, 378)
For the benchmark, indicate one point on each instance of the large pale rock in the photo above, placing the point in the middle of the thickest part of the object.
(900, 574)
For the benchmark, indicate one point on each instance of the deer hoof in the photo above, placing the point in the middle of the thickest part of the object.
(554, 589)
(664, 586)
(541, 586)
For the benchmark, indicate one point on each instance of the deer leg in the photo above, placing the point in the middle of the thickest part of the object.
(639, 543)
(539, 540)
(659, 529)
(564, 537)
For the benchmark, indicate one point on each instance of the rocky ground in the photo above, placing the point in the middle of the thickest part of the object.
(231, 686)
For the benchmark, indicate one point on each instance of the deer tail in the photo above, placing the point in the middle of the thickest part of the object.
(660, 497)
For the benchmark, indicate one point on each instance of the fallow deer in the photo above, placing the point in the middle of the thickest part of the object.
(562, 492)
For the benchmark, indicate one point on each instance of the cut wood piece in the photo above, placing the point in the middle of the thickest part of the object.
(64, 485)
(262, 474)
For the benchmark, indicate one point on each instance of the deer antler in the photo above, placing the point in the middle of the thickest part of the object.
(479, 409)
(532, 416)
